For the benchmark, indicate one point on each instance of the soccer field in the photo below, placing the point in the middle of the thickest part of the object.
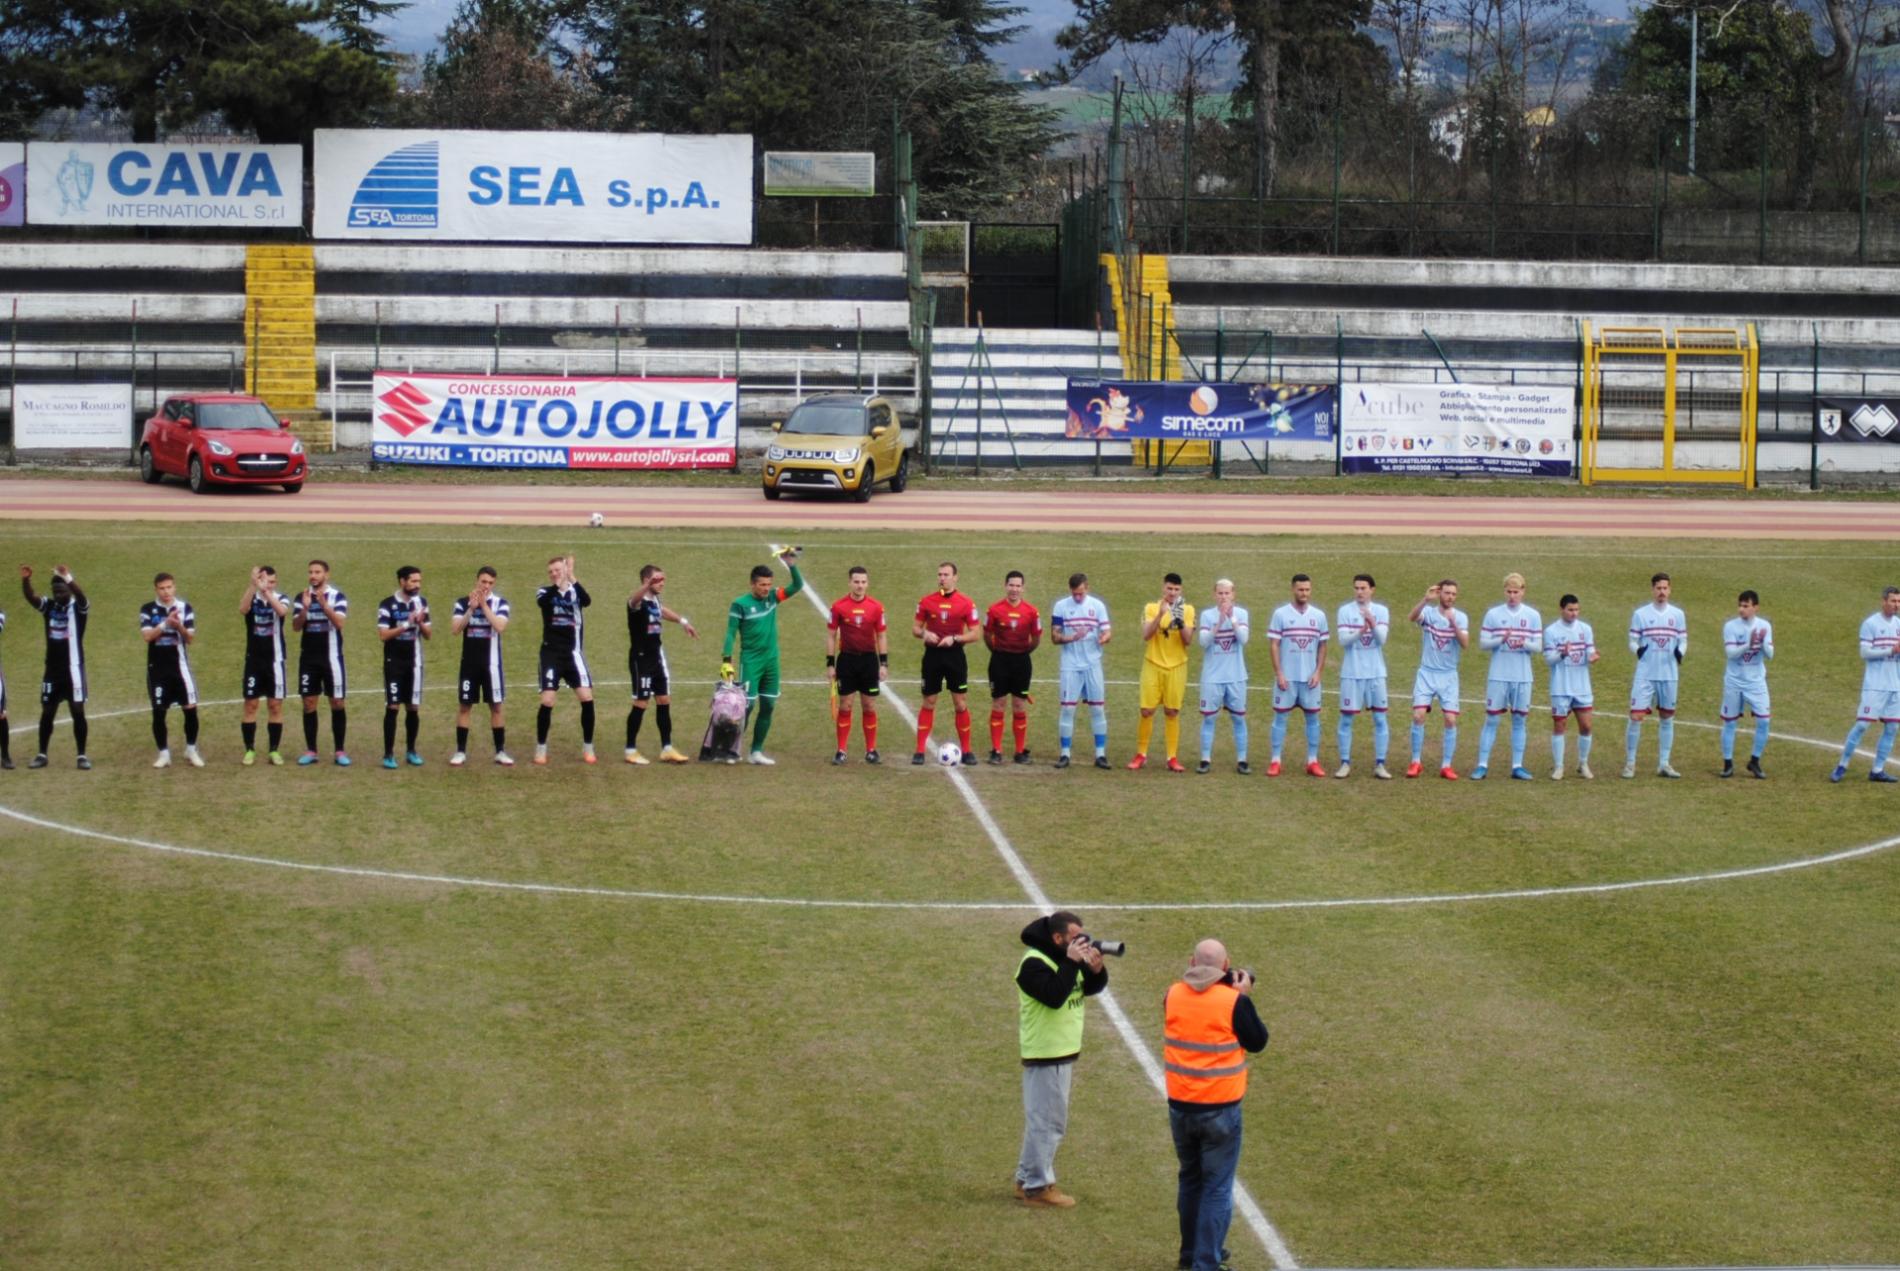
(709, 1016)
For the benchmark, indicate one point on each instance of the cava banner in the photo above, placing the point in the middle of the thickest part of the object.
(12, 183)
(73, 417)
(1115, 409)
(1858, 419)
(1521, 430)
(400, 186)
(249, 187)
(526, 421)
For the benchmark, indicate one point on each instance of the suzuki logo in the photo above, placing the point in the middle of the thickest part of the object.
(404, 415)
(1873, 421)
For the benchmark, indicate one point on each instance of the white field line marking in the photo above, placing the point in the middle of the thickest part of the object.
(1255, 1217)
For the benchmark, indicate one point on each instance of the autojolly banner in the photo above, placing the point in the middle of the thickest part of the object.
(71, 183)
(400, 186)
(1858, 418)
(517, 421)
(1523, 430)
(12, 183)
(1113, 409)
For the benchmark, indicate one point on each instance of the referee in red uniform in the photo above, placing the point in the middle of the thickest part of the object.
(857, 658)
(1012, 630)
(946, 621)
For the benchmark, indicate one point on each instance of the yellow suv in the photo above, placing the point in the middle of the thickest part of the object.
(838, 442)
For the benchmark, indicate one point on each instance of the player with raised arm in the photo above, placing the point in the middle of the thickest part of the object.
(168, 625)
(1513, 633)
(64, 679)
(646, 664)
(479, 618)
(402, 623)
(563, 603)
(1570, 646)
(319, 613)
(1879, 687)
(1080, 628)
(1363, 625)
(946, 621)
(1166, 627)
(1659, 637)
(1748, 645)
(1223, 634)
(752, 623)
(1444, 634)
(1296, 637)
(266, 675)
(1012, 630)
(857, 660)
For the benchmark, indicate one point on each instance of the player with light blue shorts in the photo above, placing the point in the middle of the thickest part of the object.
(1659, 637)
(1444, 631)
(1296, 636)
(1222, 635)
(1080, 628)
(1879, 687)
(1748, 645)
(1363, 626)
(1513, 633)
(1570, 646)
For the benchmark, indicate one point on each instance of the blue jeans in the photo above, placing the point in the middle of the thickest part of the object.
(1207, 1144)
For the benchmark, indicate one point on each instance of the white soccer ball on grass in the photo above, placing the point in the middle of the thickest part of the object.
(949, 754)
(597, 520)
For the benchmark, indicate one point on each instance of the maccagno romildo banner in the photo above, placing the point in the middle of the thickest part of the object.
(1522, 430)
(530, 421)
(1109, 410)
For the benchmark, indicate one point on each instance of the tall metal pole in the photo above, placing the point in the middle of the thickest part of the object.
(1695, 51)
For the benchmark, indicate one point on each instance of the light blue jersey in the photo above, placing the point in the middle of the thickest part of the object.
(1362, 637)
(1568, 647)
(1514, 635)
(1439, 649)
(1299, 634)
(1657, 638)
(1088, 618)
(1879, 638)
(1224, 646)
(1748, 644)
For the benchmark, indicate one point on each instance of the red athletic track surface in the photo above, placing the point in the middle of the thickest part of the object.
(1002, 508)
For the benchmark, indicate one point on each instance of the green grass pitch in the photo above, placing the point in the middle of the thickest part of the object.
(218, 1063)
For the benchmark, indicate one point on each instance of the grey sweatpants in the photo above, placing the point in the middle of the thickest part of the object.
(1045, 1121)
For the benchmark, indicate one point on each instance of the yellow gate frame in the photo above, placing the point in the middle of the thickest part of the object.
(1737, 344)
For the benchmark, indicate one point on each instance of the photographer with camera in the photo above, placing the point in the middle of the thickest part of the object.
(1062, 967)
(1210, 1028)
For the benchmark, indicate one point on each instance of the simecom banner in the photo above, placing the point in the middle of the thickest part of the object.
(12, 183)
(1523, 430)
(251, 187)
(1176, 411)
(527, 421)
(396, 186)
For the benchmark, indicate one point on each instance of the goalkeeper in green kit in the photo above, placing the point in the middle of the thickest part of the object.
(753, 621)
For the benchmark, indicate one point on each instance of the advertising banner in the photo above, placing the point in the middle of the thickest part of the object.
(397, 186)
(531, 421)
(12, 183)
(1181, 411)
(72, 417)
(255, 187)
(1858, 419)
(1520, 430)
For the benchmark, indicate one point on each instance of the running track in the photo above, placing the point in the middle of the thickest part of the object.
(1093, 507)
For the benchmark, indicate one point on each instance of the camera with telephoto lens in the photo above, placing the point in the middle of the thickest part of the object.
(1108, 948)
(1235, 974)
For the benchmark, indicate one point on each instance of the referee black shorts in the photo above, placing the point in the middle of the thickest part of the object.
(857, 673)
(1010, 674)
(946, 668)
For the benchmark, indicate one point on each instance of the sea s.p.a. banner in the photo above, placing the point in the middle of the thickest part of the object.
(1524, 430)
(532, 421)
(1186, 411)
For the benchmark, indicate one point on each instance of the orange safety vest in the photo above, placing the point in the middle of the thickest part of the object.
(1204, 1061)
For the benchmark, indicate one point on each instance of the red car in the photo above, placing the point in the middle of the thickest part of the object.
(221, 439)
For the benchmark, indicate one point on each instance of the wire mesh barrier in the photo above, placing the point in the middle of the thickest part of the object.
(1642, 422)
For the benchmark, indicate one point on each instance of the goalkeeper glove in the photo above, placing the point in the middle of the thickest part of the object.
(726, 672)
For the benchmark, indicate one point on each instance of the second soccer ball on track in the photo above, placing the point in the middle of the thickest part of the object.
(949, 754)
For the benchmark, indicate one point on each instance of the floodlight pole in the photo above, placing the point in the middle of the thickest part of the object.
(1695, 49)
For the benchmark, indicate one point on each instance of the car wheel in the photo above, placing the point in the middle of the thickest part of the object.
(195, 475)
(901, 477)
(771, 491)
(863, 493)
(148, 467)
(293, 487)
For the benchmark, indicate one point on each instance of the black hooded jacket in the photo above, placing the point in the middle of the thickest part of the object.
(1052, 988)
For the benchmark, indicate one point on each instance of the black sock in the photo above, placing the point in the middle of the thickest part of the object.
(542, 718)
(587, 723)
(46, 725)
(310, 731)
(6, 742)
(664, 720)
(339, 724)
(159, 733)
(250, 734)
(191, 725)
(635, 717)
(411, 728)
(389, 734)
(276, 734)
(78, 714)
(461, 739)
(501, 739)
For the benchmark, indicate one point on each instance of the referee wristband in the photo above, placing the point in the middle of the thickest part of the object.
(883, 659)
(830, 660)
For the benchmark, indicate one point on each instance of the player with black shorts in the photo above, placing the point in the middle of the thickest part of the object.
(6, 741)
(64, 679)
(168, 625)
(319, 613)
(646, 664)
(563, 603)
(402, 623)
(479, 618)
(945, 621)
(265, 675)
(857, 658)
(1012, 630)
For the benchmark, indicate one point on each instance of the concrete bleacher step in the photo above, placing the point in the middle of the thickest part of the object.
(1024, 386)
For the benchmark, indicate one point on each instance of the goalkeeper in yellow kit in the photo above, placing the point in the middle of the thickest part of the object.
(1167, 626)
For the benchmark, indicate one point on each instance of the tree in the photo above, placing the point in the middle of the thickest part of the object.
(497, 70)
(354, 24)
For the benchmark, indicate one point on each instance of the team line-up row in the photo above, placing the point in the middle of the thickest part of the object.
(946, 621)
